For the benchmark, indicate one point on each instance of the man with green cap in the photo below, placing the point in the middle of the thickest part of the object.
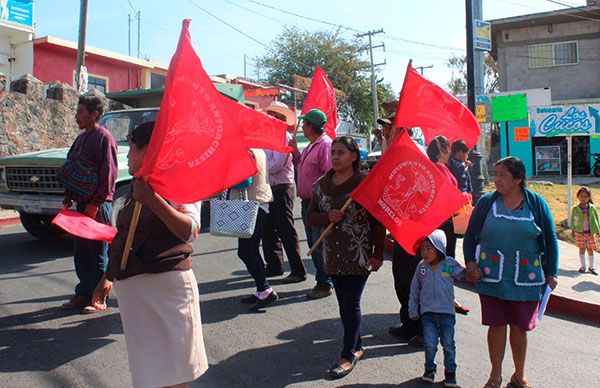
(314, 162)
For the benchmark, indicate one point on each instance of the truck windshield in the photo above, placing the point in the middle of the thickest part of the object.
(120, 124)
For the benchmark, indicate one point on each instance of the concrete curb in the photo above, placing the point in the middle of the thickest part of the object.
(560, 304)
(10, 222)
(574, 308)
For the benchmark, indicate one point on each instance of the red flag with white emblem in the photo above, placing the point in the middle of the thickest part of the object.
(321, 95)
(424, 104)
(408, 194)
(196, 148)
(258, 130)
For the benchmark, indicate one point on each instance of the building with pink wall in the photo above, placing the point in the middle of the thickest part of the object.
(55, 59)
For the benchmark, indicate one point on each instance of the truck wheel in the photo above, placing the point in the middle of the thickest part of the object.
(119, 198)
(39, 225)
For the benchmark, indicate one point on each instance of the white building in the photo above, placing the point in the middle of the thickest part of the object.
(16, 33)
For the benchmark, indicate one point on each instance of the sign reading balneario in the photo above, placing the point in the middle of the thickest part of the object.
(564, 120)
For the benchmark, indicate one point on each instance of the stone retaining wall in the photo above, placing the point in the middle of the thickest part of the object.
(35, 116)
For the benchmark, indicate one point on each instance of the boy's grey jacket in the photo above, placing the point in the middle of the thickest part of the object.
(433, 291)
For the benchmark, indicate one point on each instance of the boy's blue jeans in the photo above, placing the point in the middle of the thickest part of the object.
(437, 325)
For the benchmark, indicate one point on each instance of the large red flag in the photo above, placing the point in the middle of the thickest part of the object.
(258, 130)
(321, 95)
(408, 194)
(196, 148)
(424, 104)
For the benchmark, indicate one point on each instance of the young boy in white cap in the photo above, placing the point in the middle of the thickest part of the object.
(432, 299)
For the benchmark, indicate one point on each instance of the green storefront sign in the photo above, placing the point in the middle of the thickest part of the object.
(509, 108)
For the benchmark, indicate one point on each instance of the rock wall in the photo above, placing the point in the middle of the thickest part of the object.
(36, 116)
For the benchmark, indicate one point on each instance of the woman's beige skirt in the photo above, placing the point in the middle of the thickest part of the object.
(163, 332)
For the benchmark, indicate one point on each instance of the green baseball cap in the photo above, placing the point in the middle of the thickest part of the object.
(315, 116)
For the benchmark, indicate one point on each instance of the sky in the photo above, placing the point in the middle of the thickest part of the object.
(426, 31)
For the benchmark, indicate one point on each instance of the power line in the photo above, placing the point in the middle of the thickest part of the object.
(230, 25)
(422, 43)
(519, 5)
(131, 5)
(305, 17)
(572, 7)
(349, 28)
(253, 11)
(157, 25)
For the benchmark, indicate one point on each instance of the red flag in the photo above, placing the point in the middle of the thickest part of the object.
(83, 226)
(259, 130)
(321, 95)
(408, 194)
(196, 148)
(424, 104)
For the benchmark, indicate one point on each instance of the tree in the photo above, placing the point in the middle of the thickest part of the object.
(458, 84)
(297, 52)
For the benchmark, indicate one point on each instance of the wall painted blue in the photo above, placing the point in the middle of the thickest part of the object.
(519, 149)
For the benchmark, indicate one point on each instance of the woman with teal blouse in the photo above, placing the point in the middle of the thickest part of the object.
(511, 249)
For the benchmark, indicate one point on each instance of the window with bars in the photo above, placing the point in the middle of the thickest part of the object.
(97, 83)
(553, 54)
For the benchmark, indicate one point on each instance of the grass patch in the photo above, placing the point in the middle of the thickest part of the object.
(556, 197)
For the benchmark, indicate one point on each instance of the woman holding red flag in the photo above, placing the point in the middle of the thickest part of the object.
(438, 152)
(157, 292)
(354, 247)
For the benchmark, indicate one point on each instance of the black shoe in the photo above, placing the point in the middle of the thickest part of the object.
(293, 279)
(250, 299)
(450, 379)
(429, 376)
(319, 292)
(261, 303)
(272, 273)
(337, 372)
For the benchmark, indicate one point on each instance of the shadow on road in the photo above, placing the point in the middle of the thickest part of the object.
(26, 349)
(308, 350)
(412, 383)
(21, 251)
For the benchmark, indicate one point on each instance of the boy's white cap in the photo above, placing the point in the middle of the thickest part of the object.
(438, 239)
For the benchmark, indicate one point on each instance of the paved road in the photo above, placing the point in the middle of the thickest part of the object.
(292, 344)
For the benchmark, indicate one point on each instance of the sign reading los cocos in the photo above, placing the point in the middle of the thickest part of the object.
(562, 120)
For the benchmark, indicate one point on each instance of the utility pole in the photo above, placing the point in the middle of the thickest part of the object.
(370, 47)
(81, 42)
(139, 18)
(421, 68)
(474, 66)
(129, 49)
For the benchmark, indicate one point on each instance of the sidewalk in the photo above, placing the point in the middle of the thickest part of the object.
(9, 218)
(577, 294)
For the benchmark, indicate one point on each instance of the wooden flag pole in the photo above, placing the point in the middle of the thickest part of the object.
(132, 227)
(295, 132)
(328, 229)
